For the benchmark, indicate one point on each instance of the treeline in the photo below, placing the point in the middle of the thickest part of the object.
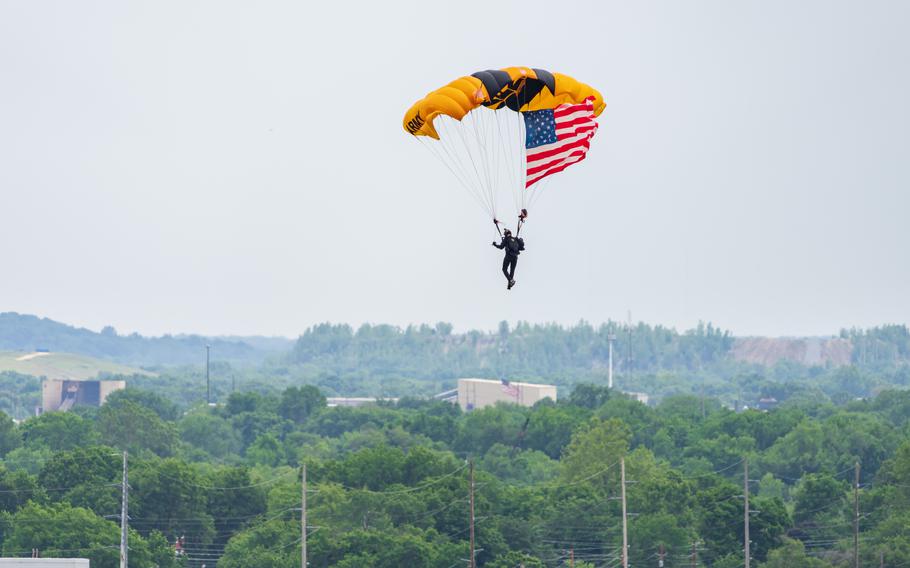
(389, 484)
(538, 350)
(879, 346)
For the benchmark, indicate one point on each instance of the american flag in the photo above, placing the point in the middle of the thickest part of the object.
(557, 138)
(509, 388)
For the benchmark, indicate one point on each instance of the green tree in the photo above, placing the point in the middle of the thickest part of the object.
(590, 396)
(129, 426)
(549, 428)
(10, 437)
(233, 508)
(210, 433)
(273, 544)
(169, 496)
(652, 532)
(298, 404)
(768, 526)
(63, 531)
(594, 447)
(58, 431)
(526, 466)
(165, 409)
(18, 488)
(480, 429)
(792, 555)
(266, 450)
(250, 425)
(819, 495)
(86, 477)
(512, 559)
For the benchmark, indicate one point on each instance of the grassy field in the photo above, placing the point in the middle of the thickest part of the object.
(61, 365)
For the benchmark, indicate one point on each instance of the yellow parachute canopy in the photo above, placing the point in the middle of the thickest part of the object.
(516, 88)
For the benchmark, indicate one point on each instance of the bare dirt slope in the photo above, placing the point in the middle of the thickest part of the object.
(806, 350)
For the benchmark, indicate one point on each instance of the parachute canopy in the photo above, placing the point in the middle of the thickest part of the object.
(516, 88)
(503, 132)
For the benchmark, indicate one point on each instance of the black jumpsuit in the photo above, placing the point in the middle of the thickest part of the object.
(513, 249)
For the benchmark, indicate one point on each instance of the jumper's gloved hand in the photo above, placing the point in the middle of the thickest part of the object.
(494, 243)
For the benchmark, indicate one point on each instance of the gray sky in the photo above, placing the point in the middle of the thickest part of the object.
(240, 167)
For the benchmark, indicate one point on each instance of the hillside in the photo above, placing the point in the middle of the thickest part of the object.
(28, 333)
(62, 365)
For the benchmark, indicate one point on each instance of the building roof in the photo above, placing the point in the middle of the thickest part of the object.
(499, 382)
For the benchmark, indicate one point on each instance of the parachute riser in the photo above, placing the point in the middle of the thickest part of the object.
(521, 221)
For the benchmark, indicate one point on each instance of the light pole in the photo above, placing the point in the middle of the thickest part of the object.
(610, 338)
(208, 385)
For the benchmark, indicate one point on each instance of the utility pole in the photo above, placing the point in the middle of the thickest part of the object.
(746, 510)
(625, 525)
(208, 385)
(856, 518)
(703, 413)
(661, 556)
(571, 558)
(124, 513)
(694, 554)
(303, 560)
(471, 499)
(611, 337)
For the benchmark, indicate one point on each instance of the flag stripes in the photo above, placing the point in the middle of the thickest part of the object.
(557, 138)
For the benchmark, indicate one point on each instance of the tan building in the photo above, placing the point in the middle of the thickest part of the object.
(478, 393)
(63, 394)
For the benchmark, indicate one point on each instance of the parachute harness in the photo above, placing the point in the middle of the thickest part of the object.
(522, 216)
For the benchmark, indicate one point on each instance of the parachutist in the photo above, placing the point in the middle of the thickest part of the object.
(513, 247)
(471, 116)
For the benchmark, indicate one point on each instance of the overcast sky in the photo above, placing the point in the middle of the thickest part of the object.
(240, 167)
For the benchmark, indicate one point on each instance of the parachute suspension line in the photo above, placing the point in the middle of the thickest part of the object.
(522, 159)
(488, 190)
(489, 119)
(510, 149)
(512, 145)
(480, 136)
(430, 148)
(459, 155)
(536, 190)
(507, 156)
(454, 161)
(448, 141)
(492, 127)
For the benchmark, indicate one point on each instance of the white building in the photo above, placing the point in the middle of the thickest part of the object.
(641, 397)
(43, 563)
(478, 393)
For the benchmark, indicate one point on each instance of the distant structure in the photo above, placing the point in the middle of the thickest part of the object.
(63, 394)
(478, 393)
(44, 563)
(355, 401)
(641, 397)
